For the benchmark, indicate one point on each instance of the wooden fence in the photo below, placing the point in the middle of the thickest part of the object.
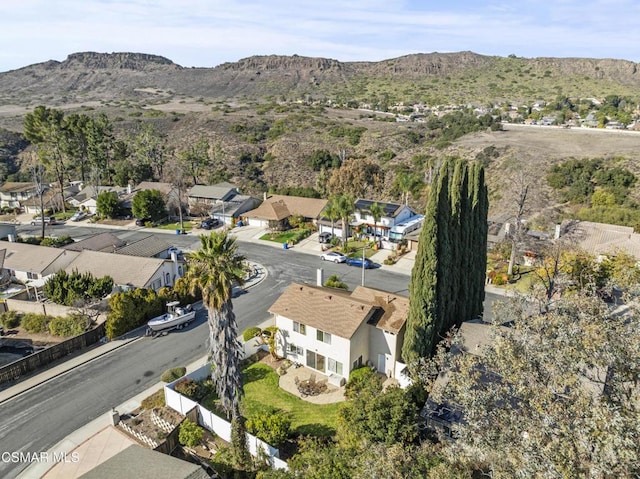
(41, 358)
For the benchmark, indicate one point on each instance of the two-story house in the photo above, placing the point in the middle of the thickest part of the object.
(334, 332)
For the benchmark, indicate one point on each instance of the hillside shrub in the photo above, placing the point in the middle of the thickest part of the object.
(360, 380)
(35, 323)
(172, 374)
(72, 325)
(10, 319)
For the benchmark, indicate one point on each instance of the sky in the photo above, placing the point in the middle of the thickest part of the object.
(206, 33)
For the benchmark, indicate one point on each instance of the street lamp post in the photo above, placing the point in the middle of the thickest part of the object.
(363, 264)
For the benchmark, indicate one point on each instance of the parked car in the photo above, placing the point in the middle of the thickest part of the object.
(325, 237)
(142, 221)
(333, 256)
(210, 223)
(48, 220)
(78, 215)
(368, 264)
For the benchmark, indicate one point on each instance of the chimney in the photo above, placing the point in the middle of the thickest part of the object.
(557, 234)
(320, 277)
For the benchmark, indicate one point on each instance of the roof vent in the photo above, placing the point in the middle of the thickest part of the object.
(328, 297)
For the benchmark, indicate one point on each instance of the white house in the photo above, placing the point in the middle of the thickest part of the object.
(334, 331)
(363, 222)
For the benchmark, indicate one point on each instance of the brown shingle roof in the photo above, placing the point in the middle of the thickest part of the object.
(328, 310)
(17, 187)
(134, 270)
(296, 205)
(396, 308)
(270, 210)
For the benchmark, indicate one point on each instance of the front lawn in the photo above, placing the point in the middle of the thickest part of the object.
(261, 390)
(290, 236)
(175, 226)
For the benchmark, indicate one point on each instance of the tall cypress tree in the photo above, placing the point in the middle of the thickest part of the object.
(447, 280)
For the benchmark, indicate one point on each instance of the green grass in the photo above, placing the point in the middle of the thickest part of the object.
(358, 245)
(175, 226)
(262, 391)
(283, 237)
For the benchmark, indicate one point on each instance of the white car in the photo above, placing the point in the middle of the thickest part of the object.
(78, 215)
(333, 256)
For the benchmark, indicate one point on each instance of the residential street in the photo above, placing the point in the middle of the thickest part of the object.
(44, 415)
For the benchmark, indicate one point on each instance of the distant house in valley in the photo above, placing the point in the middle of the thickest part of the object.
(363, 223)
(232, 210)
(14, 194)
(201, 198)
(334, 332)
(86, 199)
(275, 211)
(601, 239)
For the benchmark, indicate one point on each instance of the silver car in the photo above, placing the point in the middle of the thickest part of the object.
(333, 256)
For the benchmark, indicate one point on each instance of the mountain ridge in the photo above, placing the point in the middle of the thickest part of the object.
(461, 77)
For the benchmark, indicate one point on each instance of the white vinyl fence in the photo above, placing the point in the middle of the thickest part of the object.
(214, 423)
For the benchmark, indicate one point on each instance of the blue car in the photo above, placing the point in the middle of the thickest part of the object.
(368, 264)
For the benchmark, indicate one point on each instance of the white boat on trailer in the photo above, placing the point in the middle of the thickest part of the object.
(176, 317)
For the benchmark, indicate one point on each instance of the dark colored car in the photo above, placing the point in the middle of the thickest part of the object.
(325, 237)
(209, 223)
(142, 221)
(368, 264)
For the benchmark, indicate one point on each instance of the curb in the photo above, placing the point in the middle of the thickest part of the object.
(8, 394)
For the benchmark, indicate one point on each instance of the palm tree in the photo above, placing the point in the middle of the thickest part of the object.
(344, 205)
(331, 212)
(213, 270)
(376, 212)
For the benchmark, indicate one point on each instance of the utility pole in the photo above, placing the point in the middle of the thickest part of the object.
(363, 263)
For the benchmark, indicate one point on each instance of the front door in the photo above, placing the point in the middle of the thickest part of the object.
(381, 363)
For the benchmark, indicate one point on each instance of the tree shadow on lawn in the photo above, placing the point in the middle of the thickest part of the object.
(316, 430)
(256, 373)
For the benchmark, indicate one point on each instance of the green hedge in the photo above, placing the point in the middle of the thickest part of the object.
(10, 319)
(132, 309)
(35, 323)
(66, 326)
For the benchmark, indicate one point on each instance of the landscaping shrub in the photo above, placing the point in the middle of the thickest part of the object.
(172, 374)
(361, 379)
(153, 401)
(35, 323)
(271, 426)
(67, 289)
(130, 310)
(10, 319)
(334, 282)
(71, 325)
(190, 433)
(188, 387)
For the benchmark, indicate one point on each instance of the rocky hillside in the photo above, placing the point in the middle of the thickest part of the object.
(450, 77)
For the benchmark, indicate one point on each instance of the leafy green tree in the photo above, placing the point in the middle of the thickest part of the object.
(45, 128)
(149, 204)
(131, 309)
(345, 207)
(107, 204)
(376, 211)
(195, 160)
(331, 212)
(149, 151)
(213, 270)
(101, 144)
(320, 159)
(555, 395)
(71, 325)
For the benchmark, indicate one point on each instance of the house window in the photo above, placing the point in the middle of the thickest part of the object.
(357, 363)
(299, 328)
(323, 336)
(315, 360)
(167, 279)
(156, 284)
(293, 349)
(334, 366)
